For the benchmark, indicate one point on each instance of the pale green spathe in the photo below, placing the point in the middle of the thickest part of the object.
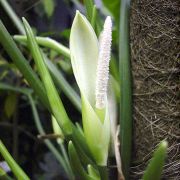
(97, 133)
(84, 55)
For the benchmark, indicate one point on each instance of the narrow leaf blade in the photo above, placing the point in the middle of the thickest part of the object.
(53, 97)
(22, 64)
(76, 163)
(125, 88)
(155, 167)
(19, 173)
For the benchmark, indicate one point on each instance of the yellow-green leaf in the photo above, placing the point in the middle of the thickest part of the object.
(57, 130)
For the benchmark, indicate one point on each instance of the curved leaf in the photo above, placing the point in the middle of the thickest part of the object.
(55, 102)
(156, 164)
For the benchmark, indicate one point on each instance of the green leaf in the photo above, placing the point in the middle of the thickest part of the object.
(48, 143)
(51, 147)
(93, 172)
(5, 86)
(89, 8)
(94, 16)
(65, 66)
(10, 104)
(34, 82)
(76, 163)
(49, 6)
(62, 83)
(57, 130)
(113, 7)
(155, 166)
(84, 55)
(13, 16)
(53, 97)
(56, 74)
(19, 173)
(79, 128)
(22, 64)
(80, 143)
(125, 88)
(2, 172)
(14, 52)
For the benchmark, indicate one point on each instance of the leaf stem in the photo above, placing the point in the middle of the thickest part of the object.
(47, 42)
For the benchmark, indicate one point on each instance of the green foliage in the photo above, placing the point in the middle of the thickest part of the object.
(113, 7)
(93, 172)
(46, 42)
(89, 8)
(60, 158)
(49, 6)
(57, 107)
(19, 173)
(13, 16)
(28, 92)
(22, 64)
(93, 16)
(155, 166)
(77, 136)
(125, 88)
(53, 97)
(76, 163)
(55, 72)
(57, 130)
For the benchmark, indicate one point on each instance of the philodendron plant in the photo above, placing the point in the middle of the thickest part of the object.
(88, 149)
